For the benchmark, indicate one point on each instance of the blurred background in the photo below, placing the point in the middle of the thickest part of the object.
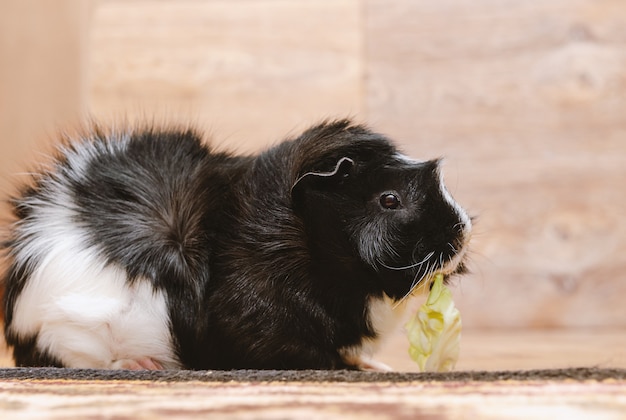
(526, 101)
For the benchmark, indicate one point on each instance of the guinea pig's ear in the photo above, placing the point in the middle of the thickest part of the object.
(320, 180)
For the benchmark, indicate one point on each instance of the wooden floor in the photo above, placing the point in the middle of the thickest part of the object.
(526, 349)
(548, 399)
(514, 350)
(481, 350)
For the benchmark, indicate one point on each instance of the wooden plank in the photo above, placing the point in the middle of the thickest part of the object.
(537, 395)
(42, 46)
(250, 71)
(526, 101)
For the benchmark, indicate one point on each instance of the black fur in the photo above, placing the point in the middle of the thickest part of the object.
(267, 261)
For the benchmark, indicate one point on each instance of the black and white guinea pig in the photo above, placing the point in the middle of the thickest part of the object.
(145, 249)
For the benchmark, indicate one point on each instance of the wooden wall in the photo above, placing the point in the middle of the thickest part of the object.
(43, 76)
(526, 100)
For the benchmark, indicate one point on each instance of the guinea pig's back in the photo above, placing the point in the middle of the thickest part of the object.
(103, 241)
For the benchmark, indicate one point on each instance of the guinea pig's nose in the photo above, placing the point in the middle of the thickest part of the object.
(450, 234)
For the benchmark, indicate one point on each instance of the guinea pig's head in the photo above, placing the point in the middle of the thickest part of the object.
(362, 200)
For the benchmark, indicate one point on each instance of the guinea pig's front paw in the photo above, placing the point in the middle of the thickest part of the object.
(369, 364)
(145, 363)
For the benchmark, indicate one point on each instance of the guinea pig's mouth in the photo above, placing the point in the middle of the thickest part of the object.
(428, 282)
(416, 279)
(447, 274)
(454, 267)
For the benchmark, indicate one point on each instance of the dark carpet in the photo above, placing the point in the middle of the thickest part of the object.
(578, 374)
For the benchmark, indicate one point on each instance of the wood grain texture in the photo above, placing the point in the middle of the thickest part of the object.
(527, 102)
(251, 71)
(42, 77)
(544, 397)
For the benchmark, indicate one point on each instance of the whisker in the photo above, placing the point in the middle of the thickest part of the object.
(415, 282)
(418, 281)
(408, 267)
(415, 249)
(457, 225)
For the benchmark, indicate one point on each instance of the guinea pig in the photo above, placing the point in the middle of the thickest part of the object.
(144, 248)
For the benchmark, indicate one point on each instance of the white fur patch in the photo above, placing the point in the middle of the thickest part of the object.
(79, 158)
(465, 220)
(385, 319)
(85, 313)
(406, 159)
(462, 214)
(374, 241)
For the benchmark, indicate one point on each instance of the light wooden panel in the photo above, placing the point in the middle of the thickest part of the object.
(249, 70)
(527, 100)
(41, 77)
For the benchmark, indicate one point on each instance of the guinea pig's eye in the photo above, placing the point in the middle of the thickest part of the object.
(389, 201)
